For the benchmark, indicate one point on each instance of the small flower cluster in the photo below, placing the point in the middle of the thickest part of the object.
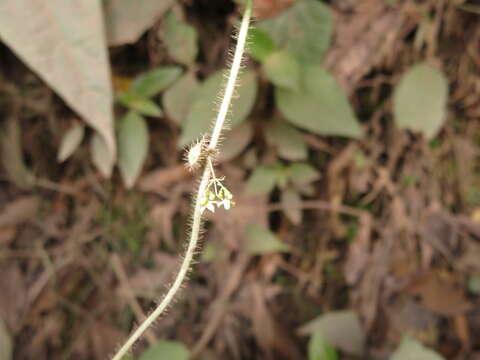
(216, 194)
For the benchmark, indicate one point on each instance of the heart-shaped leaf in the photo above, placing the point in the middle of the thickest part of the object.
(304, 29)
(420, 100)
(321, 106)
(132, 146)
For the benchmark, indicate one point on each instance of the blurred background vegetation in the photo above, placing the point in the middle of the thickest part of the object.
(352, 152)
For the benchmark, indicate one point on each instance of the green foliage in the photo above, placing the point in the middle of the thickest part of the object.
(321, 106)
(262, 180)
(6, 343)
(153, 82)
(70, 142)
(259, 241)
(319, 349)
(291, 202)
(420, 100)
(168, 350)
(261, 44)
(202, 111)
(305, 30)
(180, 39)
(412, 349)
(283, 70)
(132, 146)
(139, 103)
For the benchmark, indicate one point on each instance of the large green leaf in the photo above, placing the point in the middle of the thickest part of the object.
(321, 106)
(64, 43)
(179, 97)
(132, 146)
(180, 39)
(259, 240)
(127, 20)
(420, 100)
(166, 350)
(154, 81)
(283, 70)
(412, 349)
(202, 113)
(304, 29)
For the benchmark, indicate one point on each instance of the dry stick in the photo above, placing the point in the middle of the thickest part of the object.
(197, 213)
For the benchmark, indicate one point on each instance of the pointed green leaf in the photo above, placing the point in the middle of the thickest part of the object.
(168, 350)
(288, 140)
(259, 240)
(132, 146)
(321, 106)
(153, 82)
(420, 100)
(70, 142)
(101, 157)
(64, 43)
(260, 44)
(283, 70)
(178, 98)
(136, 102)
(319, 349)
(305, 29)
(412, 349)
(180, 39)
(203, 111)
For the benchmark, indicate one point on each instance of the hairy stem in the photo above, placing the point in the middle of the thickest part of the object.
(207, 172)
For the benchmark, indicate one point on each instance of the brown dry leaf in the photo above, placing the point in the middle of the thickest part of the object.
(13, 299)
(441, 295)
(105, 338)
(19, 211)
(127, 20)
(160, 179)
(359, 251)
(268, 8)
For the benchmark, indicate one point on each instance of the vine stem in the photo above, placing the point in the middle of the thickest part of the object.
(207, 172)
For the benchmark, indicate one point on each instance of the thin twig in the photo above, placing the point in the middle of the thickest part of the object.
(197, 213)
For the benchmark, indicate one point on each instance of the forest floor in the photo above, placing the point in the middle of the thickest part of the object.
(391, 232)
